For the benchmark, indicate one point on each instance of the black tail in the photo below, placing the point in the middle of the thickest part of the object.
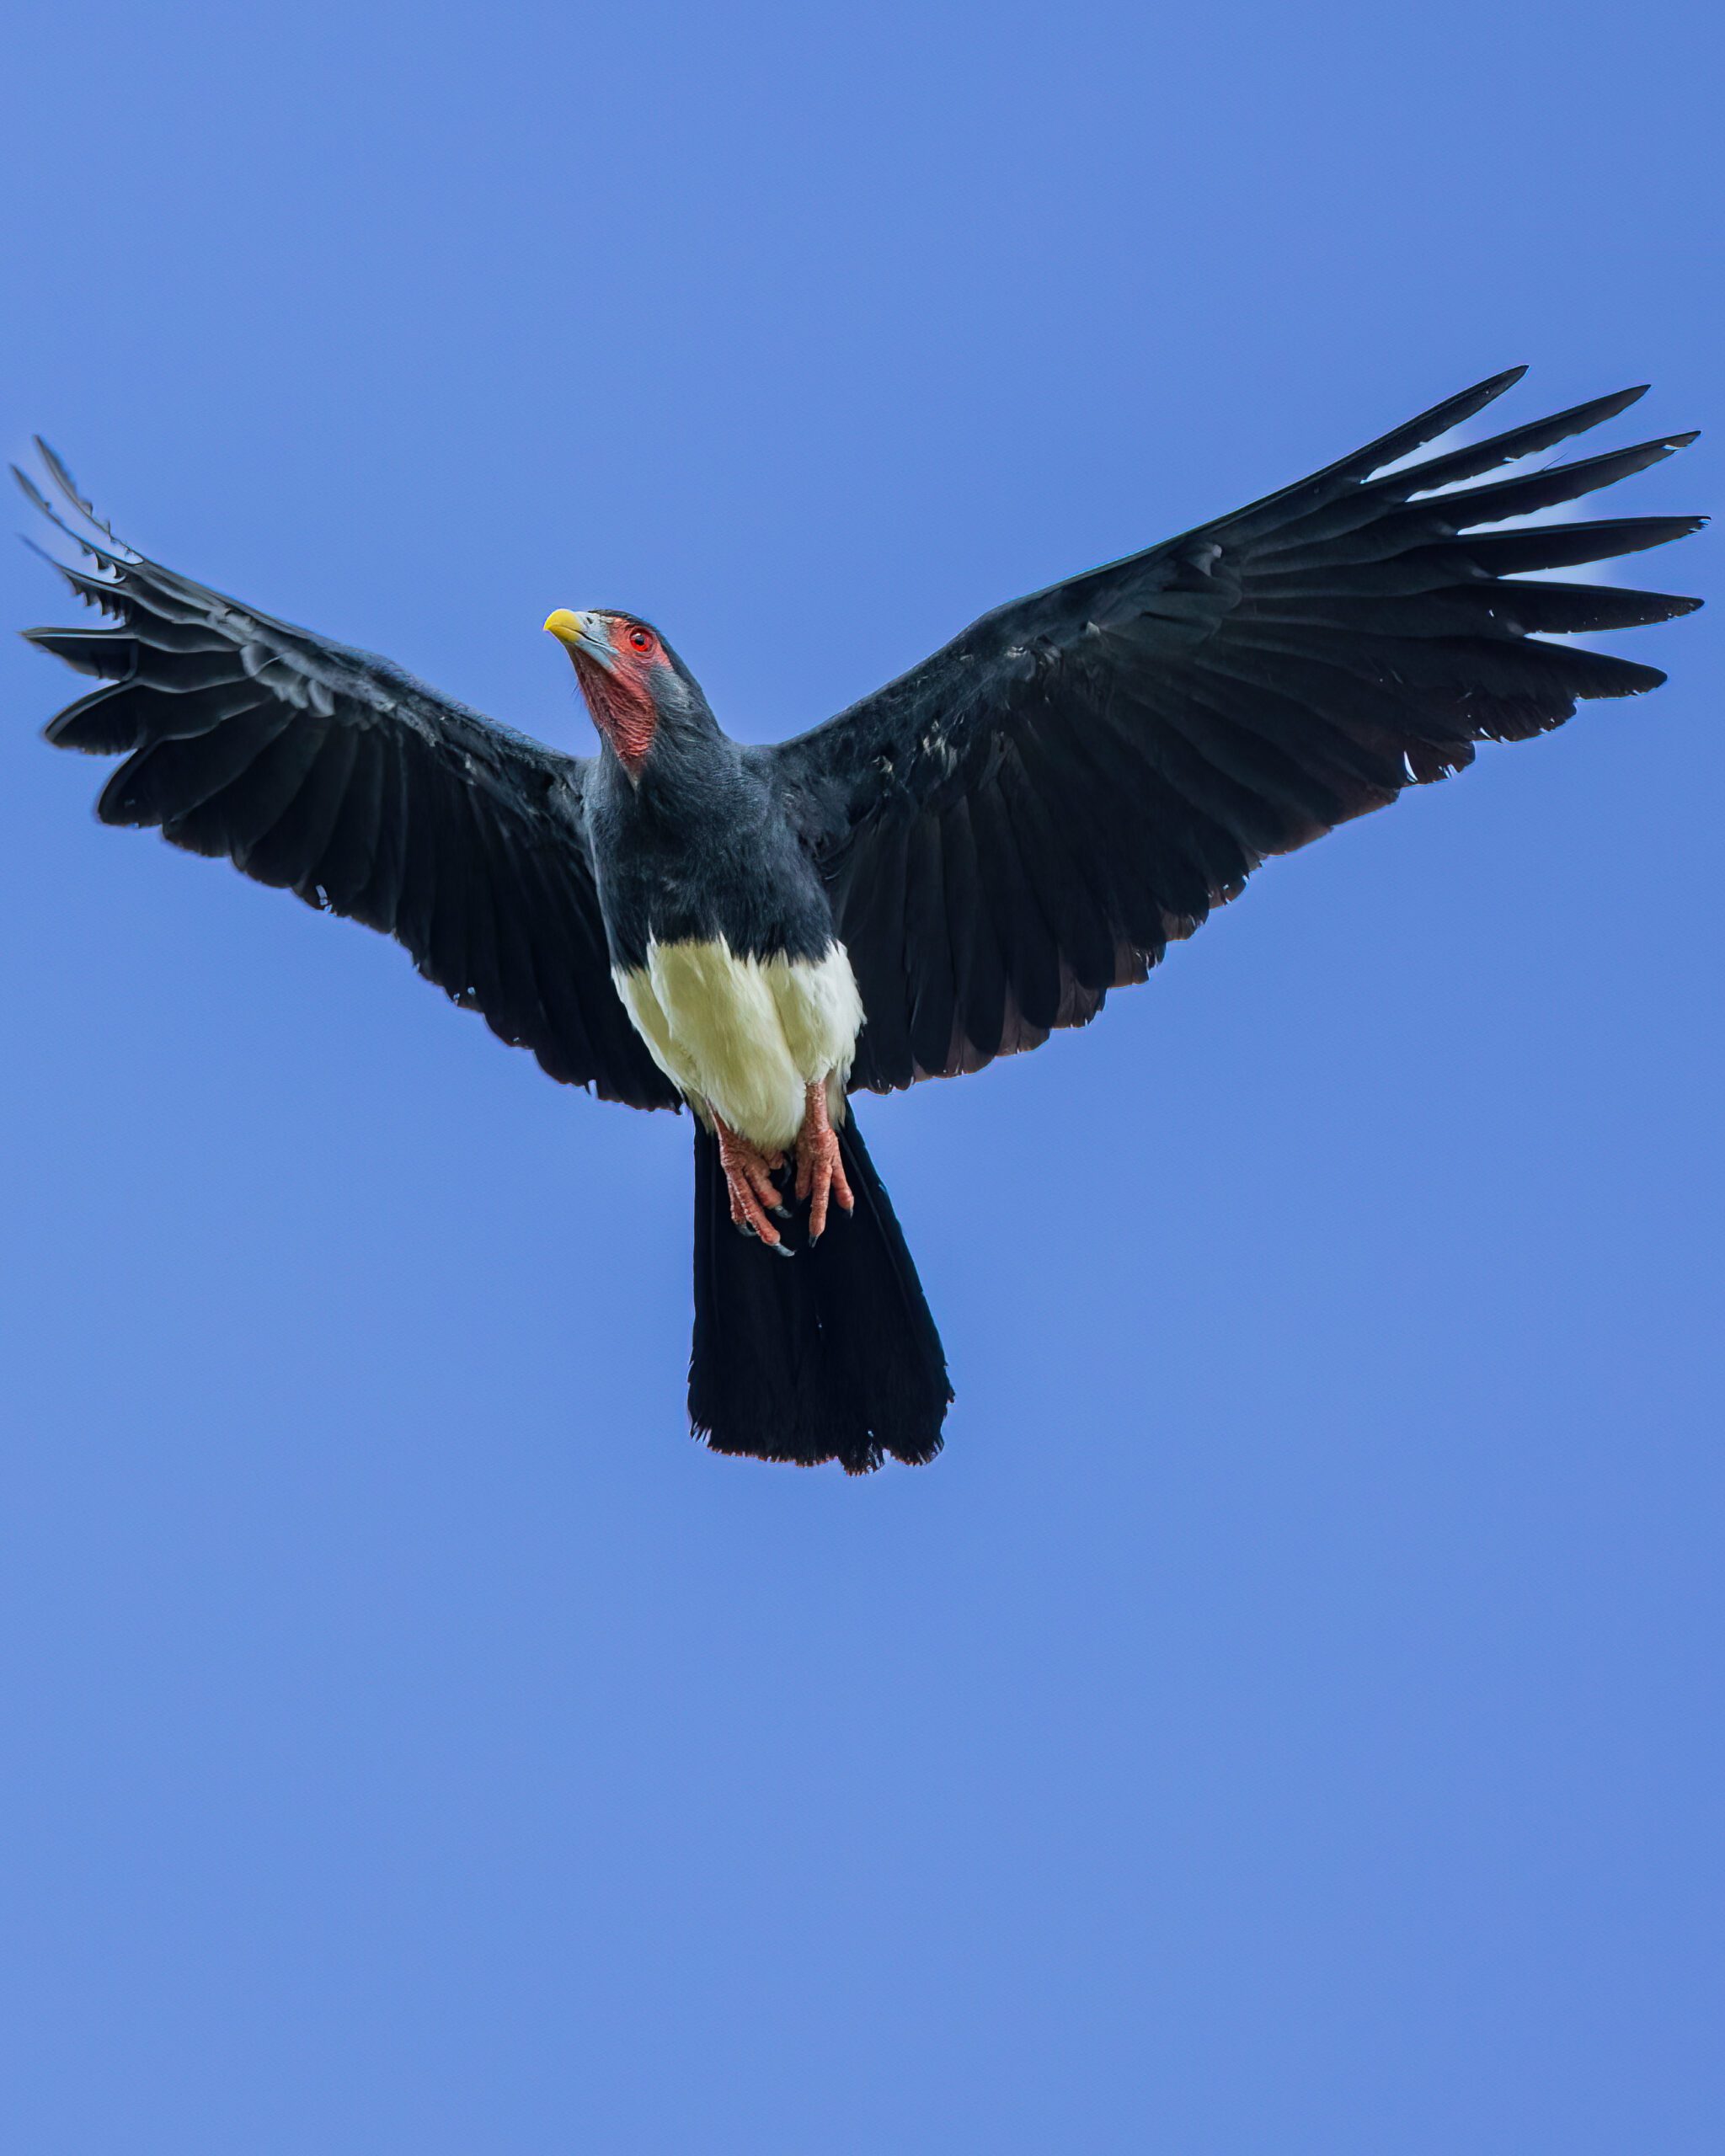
(831, 1354)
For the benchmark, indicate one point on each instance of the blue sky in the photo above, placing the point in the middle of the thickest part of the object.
(1286, 1719)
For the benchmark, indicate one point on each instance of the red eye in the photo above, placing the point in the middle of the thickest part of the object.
(640, 639)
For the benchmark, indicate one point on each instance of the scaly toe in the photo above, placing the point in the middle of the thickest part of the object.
(748, 1175)
(746, 1211)
(820, 1174)
(826, 1180)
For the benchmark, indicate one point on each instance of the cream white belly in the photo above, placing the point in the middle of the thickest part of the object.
(745, 1036)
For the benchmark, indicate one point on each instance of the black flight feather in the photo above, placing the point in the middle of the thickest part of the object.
(322, 769)
(1150, 730)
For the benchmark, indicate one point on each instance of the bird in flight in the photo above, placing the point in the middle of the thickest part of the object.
(947, 871)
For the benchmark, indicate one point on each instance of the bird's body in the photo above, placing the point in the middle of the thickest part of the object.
(721, 937)
(745, 1036)
(950, 871)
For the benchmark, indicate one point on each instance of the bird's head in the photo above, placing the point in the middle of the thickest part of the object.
(636, 686)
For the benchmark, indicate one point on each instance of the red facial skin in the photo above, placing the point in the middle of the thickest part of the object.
(621, 698)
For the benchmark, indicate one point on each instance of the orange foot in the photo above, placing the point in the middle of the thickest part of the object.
(820, 1176)
(747, 1174)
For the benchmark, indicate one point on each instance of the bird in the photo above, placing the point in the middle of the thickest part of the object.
(971, 858)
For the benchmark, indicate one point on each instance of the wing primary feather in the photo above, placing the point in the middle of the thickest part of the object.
(1116, 828)
(1469, 668)
(291, 854)
(1470, 462)
(450, 915)
(416, 884)
(103, 723)
(111, 655)
(38, 501)
(1358, 764)
(1272, 799)
(1277, 510)
(1171, 855)
(1373, 711)
(928, 956)
(518, 933)
(1580, 609)
(345, 863)
(255, 802)
(572, 1037)
(67, 485)
(1562, 482)
(871, 910)
(1214, 781)
(979, 976)
(482, 982)
(1501, 607)
(169, 779)
(1072, 899)
(1381, 526)
(1010, 895)
(1401, 441)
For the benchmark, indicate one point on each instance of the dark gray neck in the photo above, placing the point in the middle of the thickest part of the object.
(698, 848)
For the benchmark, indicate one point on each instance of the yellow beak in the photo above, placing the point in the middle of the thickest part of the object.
(565, 626)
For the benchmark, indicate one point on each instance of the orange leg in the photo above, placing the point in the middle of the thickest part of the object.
(747, 1174)
(820, 1174)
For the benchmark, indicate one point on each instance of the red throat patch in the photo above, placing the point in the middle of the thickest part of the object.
(622, 705)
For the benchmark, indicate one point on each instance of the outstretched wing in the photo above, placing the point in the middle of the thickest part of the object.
(335, 774)
(1030, 817)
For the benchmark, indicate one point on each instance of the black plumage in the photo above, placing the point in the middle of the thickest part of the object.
(787, 1360)
(988, 845)
(1150, 732)
(335, 774)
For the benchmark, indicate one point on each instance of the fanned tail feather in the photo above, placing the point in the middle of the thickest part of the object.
(830, 1355)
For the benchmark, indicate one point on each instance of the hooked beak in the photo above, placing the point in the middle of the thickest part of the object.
(583, 636)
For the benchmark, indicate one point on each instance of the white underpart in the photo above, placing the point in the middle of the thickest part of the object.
(745, 1037)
